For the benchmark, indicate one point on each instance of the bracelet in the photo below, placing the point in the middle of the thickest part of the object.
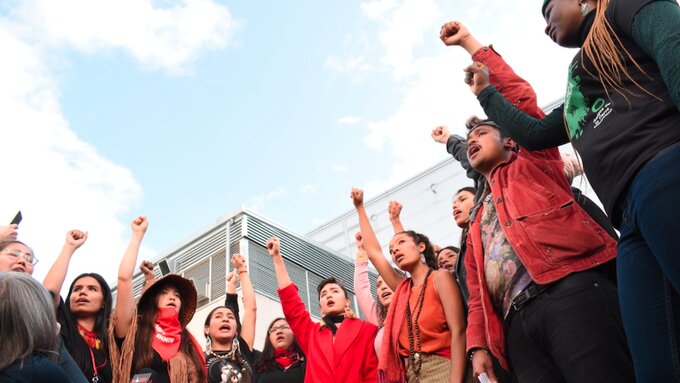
(471, 353)
(242, 271)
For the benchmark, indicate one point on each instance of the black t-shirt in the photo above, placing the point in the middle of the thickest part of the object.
(617, 133)
(277, 374)
(235, 370)
(80, 351)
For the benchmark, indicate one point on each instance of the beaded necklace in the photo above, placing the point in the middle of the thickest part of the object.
(415, 357)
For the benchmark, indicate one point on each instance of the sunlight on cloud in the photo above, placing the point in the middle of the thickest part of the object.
(259, 201)
(161, 38)
(308, 189)
(349, 120)
(57, 180)
(430, 76)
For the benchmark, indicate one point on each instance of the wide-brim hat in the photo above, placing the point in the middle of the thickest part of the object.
(187, 292)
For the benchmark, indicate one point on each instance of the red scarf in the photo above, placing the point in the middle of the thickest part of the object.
(167, 334)
(285, 357)
(91, 338)
(390, 367)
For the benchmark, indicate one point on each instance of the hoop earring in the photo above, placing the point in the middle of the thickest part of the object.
(585, 9)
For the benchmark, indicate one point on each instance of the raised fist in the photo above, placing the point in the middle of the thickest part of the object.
(239, 262)
(441, 134)
(453, 33)
(76, 238)
(139, 224)
(393, 210)
(477, 77)
(274, 246)
(147, 269)
(357, 197)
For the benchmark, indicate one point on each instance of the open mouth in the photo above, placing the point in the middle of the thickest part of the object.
(386, 294)
(19, 269)
(225, 327)
(456, 212)
(82, 300)
(330, 303)
(398, 258)
(173, 305)
(280, 338)
(472, 150)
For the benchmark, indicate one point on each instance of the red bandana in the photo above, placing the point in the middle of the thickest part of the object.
(168, 333)
(285, 357)
(90, 337)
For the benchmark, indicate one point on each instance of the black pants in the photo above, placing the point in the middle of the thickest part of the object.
(572, 332)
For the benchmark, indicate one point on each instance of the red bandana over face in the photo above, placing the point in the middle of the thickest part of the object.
(168, 333)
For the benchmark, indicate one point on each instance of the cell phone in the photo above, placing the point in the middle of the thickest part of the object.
(484, 378)
(165, 269)
(17, 218)
(142, 378)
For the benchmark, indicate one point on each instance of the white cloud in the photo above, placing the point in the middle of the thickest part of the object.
(259, 201)
(353, 64)
(349, 120)
(166, 38)
(308, 189)
(430, 77)
(59, 181)
(377, 8)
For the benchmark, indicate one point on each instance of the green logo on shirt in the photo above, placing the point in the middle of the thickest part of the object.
(575, 105)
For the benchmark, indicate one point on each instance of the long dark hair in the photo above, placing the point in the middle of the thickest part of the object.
(266, 360)
(74, 342)
(382, 309)
(430, 257)
(212, 312)
(143, 357)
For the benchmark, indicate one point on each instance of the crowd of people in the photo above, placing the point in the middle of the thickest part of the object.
(542, 286)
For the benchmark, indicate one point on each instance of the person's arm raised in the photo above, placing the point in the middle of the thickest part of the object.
(249, 304)
(394, 210)
(455, 33)
(371, 244)
(54, 280)
(274, 248)
(125, 301)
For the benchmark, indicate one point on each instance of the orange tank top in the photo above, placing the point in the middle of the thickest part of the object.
(435, 337)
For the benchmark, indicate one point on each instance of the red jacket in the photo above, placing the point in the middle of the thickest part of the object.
(550, 233)
(349, 358)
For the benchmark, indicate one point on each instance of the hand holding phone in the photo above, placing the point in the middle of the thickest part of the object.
(17, 219)
(483, 378)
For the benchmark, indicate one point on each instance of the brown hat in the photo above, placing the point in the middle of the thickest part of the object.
(186, 289)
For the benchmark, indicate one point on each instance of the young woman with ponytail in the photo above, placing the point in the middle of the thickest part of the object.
(424, 336)
(622, 114)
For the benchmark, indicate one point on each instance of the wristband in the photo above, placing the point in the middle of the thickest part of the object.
(472, 352)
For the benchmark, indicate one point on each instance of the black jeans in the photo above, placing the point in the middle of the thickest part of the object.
(572, 332)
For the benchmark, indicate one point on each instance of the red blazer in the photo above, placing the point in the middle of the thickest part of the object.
(550, 233)
(348, 358)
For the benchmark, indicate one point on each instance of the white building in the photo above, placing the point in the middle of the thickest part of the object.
(326, 251)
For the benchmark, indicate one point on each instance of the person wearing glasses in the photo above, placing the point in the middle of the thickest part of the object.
(16, 256)
(282, 360)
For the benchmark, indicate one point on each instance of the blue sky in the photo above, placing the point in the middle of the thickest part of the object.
(186, 110)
